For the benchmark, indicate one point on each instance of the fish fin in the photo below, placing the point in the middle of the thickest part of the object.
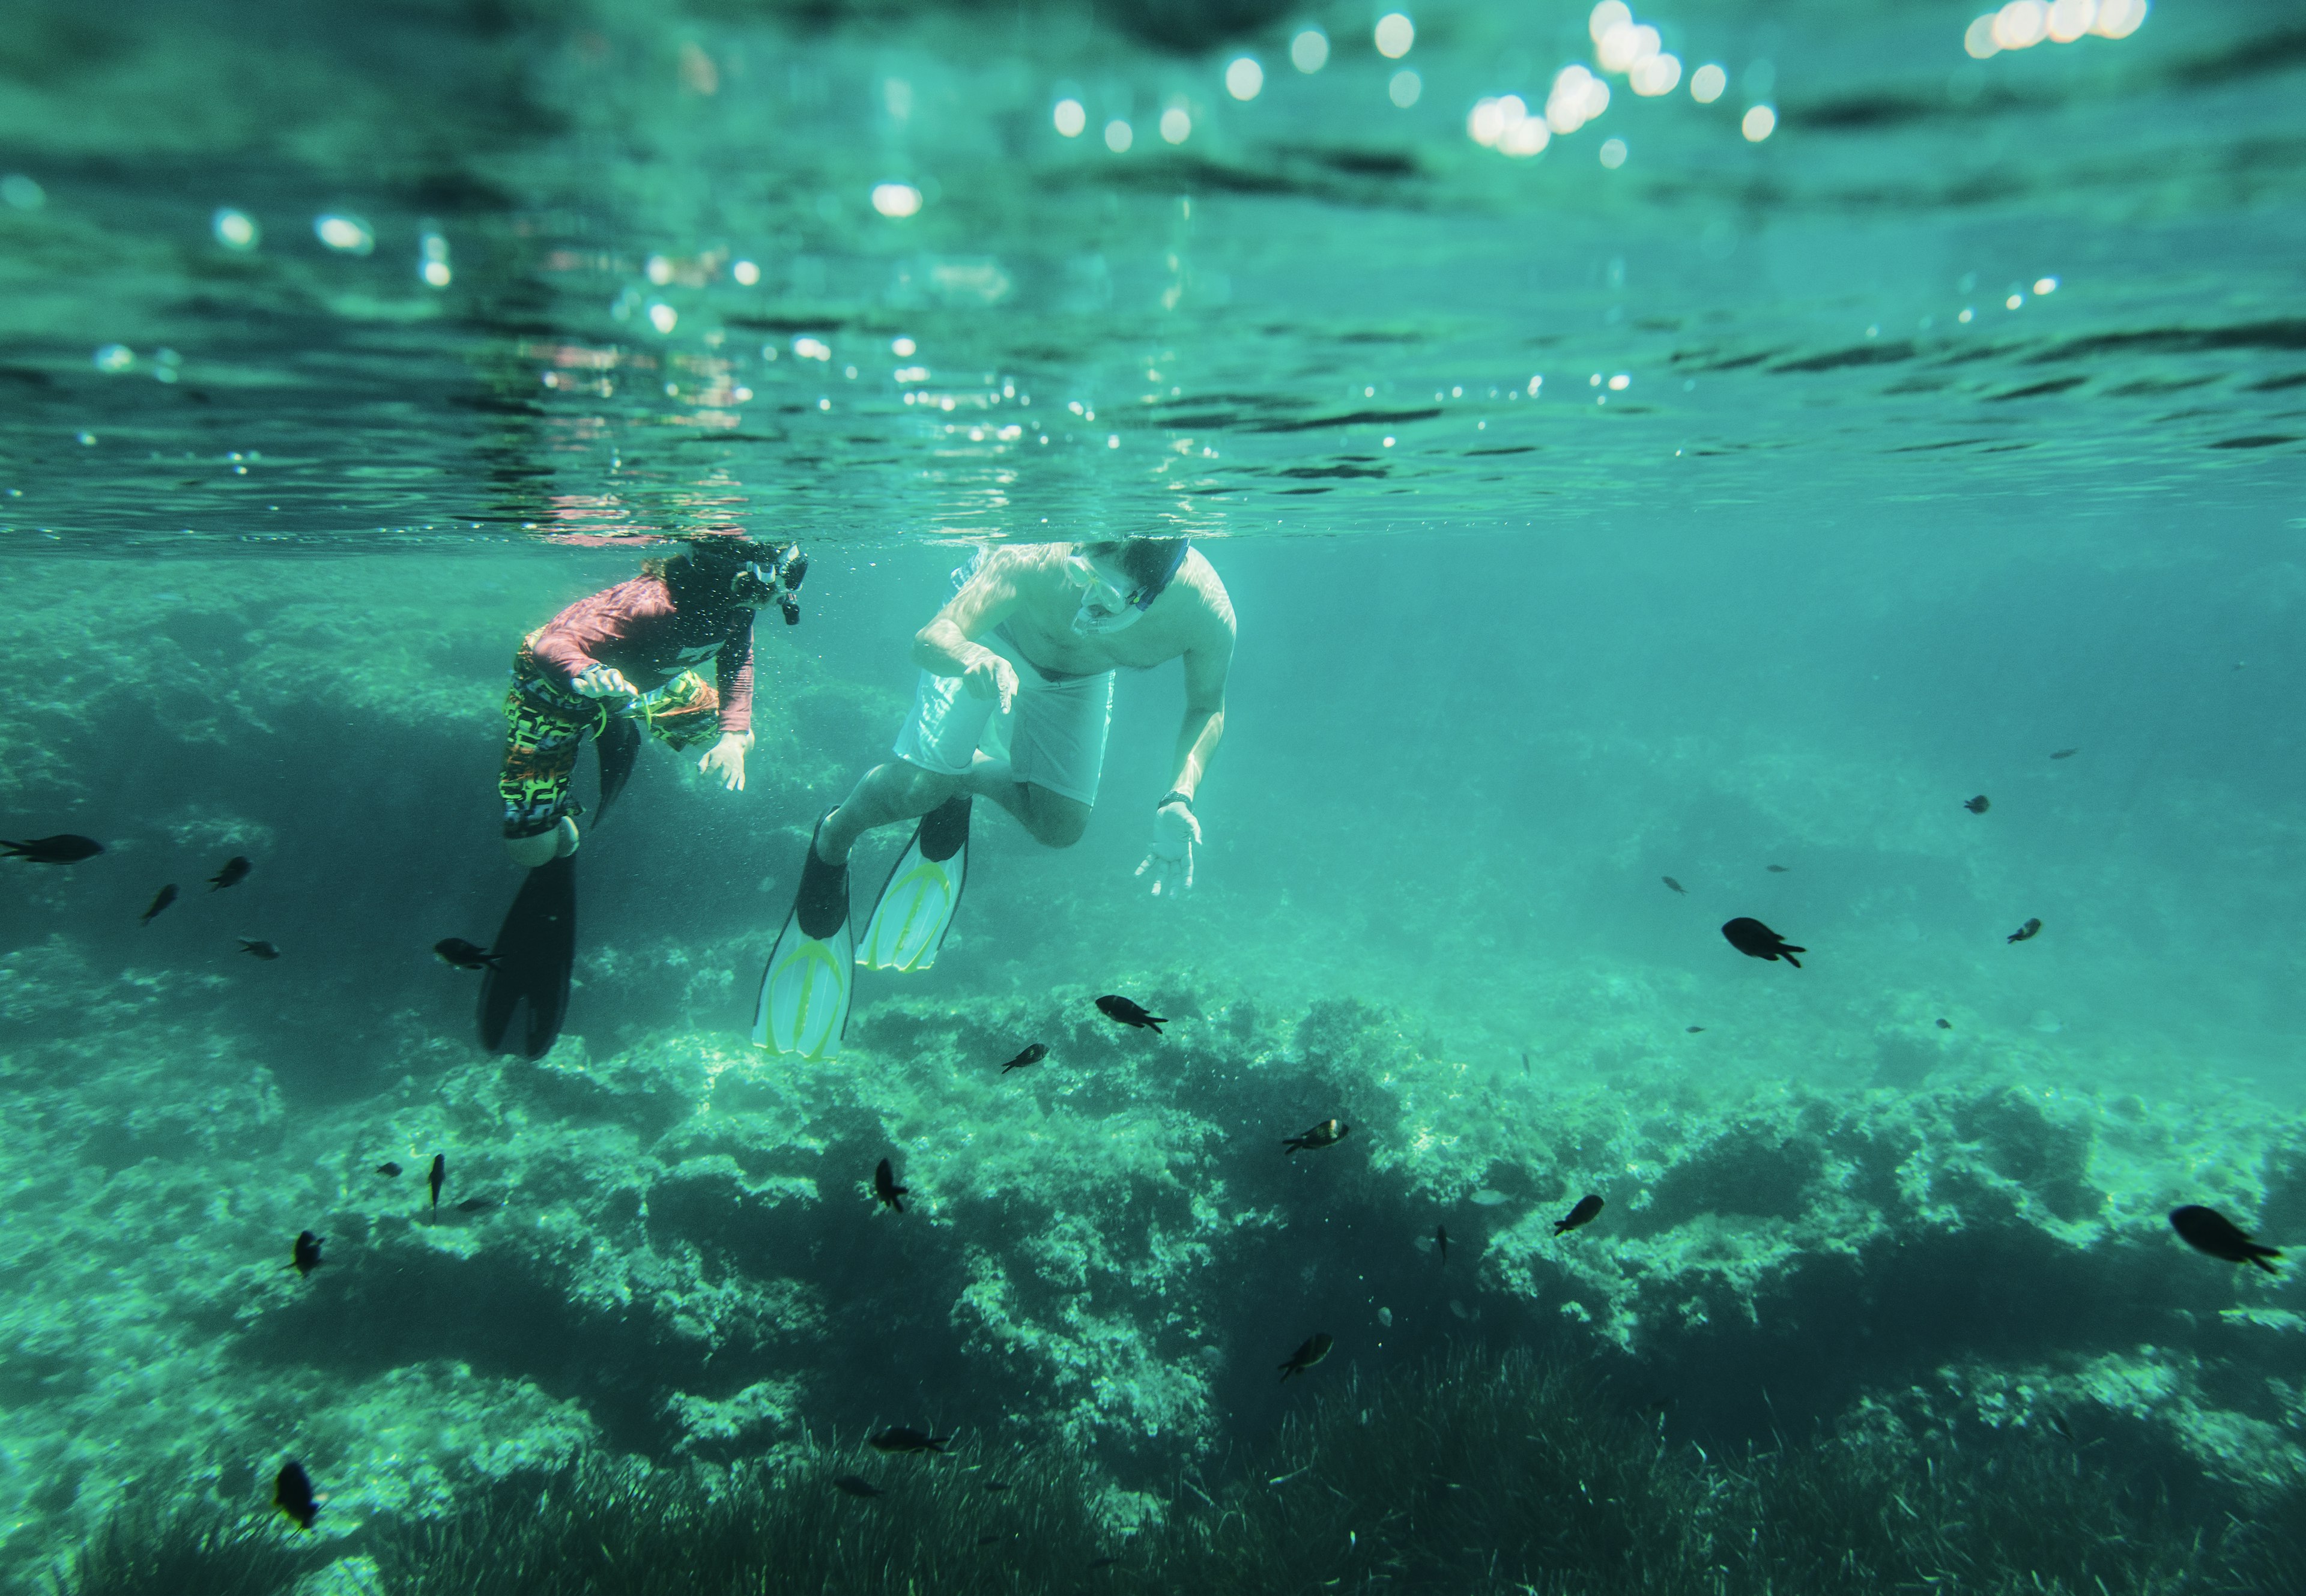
(2262, 1254)
(1787, 955)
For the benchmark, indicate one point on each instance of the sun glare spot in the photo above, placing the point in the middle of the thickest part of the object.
(1070, 118)
(1244, 78)
(1660, 74)
(1978, 39)
(1608, 14)
(345, 234)
(1404, 87)
(2119, 19)
(1613, 153)
(1177, 125)
(662, 316)
(1759, 123)
(235, 229)
(1119, 136)
(896, 200)
(2021, 24)
(2071, 18)
(1707, 82)
(1309, 52)
(902, 347)
(1395, 34)
(745, 273)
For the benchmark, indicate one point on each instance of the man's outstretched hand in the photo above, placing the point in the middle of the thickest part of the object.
(1170, 861)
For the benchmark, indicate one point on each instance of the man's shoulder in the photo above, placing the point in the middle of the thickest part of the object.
(1214, 605)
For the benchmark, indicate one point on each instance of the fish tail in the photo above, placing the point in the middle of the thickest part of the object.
(1787, 955)
(2262, 1254)
(1154, 1025)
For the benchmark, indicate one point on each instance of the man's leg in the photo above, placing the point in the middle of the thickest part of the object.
(1053, 821)
(887, 794)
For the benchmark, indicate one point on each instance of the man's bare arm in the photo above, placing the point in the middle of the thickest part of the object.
(948, 646)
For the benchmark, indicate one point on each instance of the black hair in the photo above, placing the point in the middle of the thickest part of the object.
(1145, 561)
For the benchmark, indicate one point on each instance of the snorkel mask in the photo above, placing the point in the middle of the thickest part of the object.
(774, 580)
(1107, 608)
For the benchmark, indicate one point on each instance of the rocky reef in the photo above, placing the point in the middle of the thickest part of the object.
(670, 1253)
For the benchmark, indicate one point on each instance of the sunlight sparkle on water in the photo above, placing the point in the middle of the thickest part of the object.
(1395, 34)
(1707, 82)
(345, 234)
(1244, 78)
(235, 229)
(1613, 153)
(901, 348)
(1404, 87)
(745, 273)
(662, 316)
(1177, 125)
(896, 200)
(1578, 97)
(1069, 117)
(1119, 136)
(1758, 124)
(1309, 52)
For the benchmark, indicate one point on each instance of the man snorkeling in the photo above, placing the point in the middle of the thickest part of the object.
(610, 667)
(1034, 635)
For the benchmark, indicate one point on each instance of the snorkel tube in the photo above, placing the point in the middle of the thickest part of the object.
(755, 574)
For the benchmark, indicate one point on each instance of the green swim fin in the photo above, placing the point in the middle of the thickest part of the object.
(917, 906)
(535, 950)
(804, 1002)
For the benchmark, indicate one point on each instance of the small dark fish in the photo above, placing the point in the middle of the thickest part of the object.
(1316, 1348)
(235, 871)
(1032, 1055)
(988, 1540)
(1777, 869)
(63, 849)
(1693, 1030)
(996, 1485)
(1979, 804)
(474, 1205)
(2025, 933)
(1103, 1562)
(262, 949)
(2069, 753)
(1328, 1133)
(2206, 1230)
(1757, 940)
(898, 1437)
(1675, 885)
(1129, 1014)
(388, 1170)
(886, 1187)
(464, 955)
(308, 1252)
(1525, 1060)
(160, 900)
(1945, 1025)
(2061, 1429)
(438, 1177)
(857, 1485)
(292, 1493)
(1441, 1242)
(1583, 1214)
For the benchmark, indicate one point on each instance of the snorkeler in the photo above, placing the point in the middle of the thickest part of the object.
(1032, 635)
(610, 666)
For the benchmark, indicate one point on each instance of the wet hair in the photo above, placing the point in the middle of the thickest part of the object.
(1145, 561)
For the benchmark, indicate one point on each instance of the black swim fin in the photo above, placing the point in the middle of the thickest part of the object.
(535, 950)
(620, 746)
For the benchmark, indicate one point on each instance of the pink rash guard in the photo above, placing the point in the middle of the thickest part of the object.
(635, 628)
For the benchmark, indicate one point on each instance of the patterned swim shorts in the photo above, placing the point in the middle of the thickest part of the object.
(546, 726)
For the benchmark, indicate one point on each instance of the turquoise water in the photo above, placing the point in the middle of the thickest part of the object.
(1729, 510)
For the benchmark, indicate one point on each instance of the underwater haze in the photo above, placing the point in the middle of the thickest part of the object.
(1840, 466)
